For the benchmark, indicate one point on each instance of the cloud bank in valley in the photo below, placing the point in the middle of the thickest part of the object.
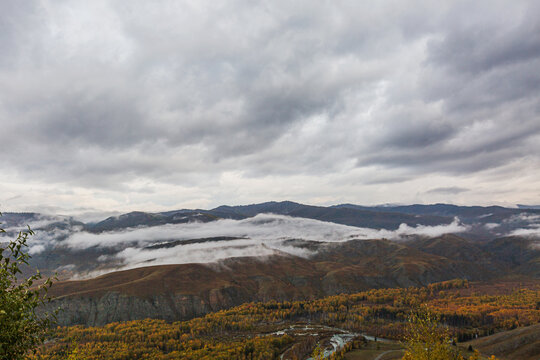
(44, 236)
(532, 231)
(529, 227)
(262, 227)
(261, 235)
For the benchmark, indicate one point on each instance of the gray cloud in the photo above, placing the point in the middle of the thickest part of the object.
(447, 190)
(480, 45)
(108, 99)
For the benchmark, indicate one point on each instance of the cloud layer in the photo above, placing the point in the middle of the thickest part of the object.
(262, 235)
(117, 106)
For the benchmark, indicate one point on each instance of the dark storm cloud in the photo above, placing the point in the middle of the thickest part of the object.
(179, 93)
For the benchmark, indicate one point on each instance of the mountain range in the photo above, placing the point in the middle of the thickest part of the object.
(179, 264)
(387, 217)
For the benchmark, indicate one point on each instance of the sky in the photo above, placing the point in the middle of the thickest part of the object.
(116, 106)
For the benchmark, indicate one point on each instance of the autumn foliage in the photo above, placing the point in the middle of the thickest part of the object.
(249, 331)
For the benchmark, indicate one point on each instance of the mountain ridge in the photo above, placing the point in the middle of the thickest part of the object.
(388, 217)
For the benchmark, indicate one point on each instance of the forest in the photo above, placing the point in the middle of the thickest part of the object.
(255, 330)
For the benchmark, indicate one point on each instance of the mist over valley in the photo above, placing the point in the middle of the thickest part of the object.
(207, 236)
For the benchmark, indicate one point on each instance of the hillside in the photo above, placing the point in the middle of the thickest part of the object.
(183, 291)
(517, 344)
(292, 330)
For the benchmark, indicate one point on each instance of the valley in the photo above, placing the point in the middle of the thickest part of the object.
(296, 329)
(286, 280)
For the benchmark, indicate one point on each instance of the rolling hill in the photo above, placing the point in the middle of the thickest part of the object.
(183, 291)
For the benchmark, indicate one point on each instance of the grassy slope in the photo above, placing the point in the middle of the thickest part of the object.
(518, 344)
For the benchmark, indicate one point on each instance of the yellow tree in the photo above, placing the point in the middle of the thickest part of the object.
(427, 339)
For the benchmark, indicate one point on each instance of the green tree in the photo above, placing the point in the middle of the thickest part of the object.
(21, 329)
(427, 339)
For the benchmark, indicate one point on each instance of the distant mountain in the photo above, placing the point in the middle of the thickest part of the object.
(465, 213)
(139, 218)
(381, 217)
(341, 215)
(21, 220)
(521, 206)
(283, 208)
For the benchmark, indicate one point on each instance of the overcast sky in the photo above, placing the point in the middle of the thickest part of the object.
(138, 105)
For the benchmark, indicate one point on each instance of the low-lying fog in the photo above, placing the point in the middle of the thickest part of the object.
(262, 227)
(261, 235)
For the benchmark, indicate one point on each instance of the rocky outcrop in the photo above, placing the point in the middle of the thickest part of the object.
(114, 306)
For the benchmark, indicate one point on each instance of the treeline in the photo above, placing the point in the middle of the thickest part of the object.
(245, 332)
